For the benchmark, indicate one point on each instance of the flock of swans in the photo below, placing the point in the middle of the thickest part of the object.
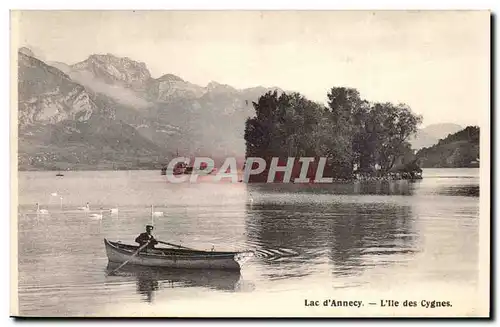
(99, 216)
(86, 209)
(94, 216)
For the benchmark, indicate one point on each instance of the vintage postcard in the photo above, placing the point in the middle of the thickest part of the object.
(250, 163)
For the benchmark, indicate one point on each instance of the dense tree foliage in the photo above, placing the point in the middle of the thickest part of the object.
(352, 133)
(456, 150)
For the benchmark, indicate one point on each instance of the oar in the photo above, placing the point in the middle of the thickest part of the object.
(179, 246)
(133, 255)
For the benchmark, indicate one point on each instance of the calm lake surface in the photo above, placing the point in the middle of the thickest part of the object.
(361, 241)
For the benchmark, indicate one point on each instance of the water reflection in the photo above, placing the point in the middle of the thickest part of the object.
(397, 187)
(460, 190)
(146, 286)
(363, 236)
(282, 236)
(150, 280)
(349, 237)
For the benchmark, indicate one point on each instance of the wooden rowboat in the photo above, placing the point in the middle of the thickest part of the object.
(171, 258)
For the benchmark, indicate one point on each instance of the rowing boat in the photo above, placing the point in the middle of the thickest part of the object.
(171, 258)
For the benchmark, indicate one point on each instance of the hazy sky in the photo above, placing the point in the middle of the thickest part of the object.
(436, 62)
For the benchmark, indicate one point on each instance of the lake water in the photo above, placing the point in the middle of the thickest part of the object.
(359, 241)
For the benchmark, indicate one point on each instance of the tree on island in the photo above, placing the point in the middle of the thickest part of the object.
(352, 133)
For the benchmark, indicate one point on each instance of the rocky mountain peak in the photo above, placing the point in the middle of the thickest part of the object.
(26, 51)
(171, 86)
(170, 78)
(218, 87)
(112, 69)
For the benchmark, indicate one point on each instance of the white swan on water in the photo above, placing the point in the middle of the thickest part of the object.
(156, 213)
(86, 208)
(41, 211)
(113, 210)
(96, 215)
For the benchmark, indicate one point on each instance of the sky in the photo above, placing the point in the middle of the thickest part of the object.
(438, 63)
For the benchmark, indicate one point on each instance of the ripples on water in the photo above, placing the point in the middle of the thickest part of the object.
(332, 236)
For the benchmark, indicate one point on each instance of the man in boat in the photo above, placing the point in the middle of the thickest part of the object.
(143, 238)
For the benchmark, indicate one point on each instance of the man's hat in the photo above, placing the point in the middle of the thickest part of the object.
(149, 226)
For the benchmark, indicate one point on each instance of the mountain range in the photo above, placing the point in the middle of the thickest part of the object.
(430, 135)
(108, 112)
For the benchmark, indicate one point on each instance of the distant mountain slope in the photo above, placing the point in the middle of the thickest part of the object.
(431, 134)
(458, 150)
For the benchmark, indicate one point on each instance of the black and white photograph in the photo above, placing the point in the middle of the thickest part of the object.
(246, 163)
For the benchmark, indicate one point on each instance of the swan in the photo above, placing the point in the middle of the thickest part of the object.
(113, 210)
(41, 211)
(86, 208)
(96, 215)
(53, 194)
(156, 213)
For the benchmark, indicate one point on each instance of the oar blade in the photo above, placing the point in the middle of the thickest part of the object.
(133, 255)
